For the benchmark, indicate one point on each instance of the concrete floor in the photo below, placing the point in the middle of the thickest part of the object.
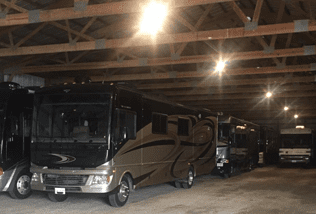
(264, 190)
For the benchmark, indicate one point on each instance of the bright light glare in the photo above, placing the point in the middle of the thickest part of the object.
(153, 18)
(286, 108)
(268, 94)
(296, 116)
(220, 66)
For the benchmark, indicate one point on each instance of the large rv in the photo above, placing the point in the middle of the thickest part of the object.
(111, 139)
(268, 146)
(297, 145)
(237, 147)
(16, 106)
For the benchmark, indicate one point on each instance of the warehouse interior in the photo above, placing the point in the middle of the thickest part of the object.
(253, 59)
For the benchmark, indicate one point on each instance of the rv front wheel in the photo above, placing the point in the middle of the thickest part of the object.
(22, 187)
(120, 198)
(188, 183)
(57, 198)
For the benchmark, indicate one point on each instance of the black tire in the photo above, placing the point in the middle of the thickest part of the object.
(120, 198)
(177, 184)
(22, 186)
(57, 197)
(189, 180)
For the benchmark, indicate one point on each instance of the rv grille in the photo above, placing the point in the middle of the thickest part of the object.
(65, 180)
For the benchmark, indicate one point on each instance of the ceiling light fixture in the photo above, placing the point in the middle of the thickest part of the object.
(268, 94)
(286, 108)
(153, 17)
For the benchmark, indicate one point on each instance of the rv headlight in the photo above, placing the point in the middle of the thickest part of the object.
(35, 177)
(102, 179)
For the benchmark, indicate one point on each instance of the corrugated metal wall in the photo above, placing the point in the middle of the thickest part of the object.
(27, 80)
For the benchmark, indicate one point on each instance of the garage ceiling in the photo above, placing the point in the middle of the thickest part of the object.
(268, 45)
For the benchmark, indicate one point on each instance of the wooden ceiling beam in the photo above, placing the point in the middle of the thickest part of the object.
(225, 82)
(104, 9)
(247, 103)
(211, 91)
(257, 12)
(244, 19)
(258, 96)
(162, 39)
(245, 108)
(187, 60)
(278, 20)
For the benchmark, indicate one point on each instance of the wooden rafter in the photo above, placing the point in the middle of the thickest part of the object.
(215, 82)
(243, 96)
(170, 61)
(104, 9)
(30, 35)
(212, 91)
(86, 27)
(162, 39)
(56, 24)
(278, 20)
(287, 45)
(244, 18)
(196, 27)
(256, 15)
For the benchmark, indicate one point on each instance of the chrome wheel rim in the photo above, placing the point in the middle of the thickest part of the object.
(23, 185)
(190, 178)
(124, 191)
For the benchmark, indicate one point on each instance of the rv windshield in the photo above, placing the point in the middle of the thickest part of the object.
(223, 134)
(296, 140)
(72, 118)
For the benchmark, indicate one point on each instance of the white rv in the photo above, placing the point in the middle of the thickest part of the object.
(296, 145)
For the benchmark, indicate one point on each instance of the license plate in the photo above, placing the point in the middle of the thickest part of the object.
(220, 164)
(60, 191)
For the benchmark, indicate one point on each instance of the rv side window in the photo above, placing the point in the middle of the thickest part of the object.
(183, 127)
(126, 124)
(159, 123)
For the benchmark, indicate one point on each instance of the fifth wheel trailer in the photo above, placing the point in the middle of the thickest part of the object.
(16, 106)
(111, 139)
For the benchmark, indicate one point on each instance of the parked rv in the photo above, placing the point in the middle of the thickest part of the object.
(16, 106)
(297, 145)
(237, 147)
(112, 139)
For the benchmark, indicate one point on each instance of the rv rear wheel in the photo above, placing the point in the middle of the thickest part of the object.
(188, 183)
(22, 187)
(56, 197)
(120, 198)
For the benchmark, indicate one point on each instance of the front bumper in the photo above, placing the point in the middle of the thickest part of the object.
(294, 159)
(72, 185)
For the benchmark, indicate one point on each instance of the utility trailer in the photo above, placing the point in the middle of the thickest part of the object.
(16, 106)
(237, 147)
(296, 145)
(268, 146)
(111, 139)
